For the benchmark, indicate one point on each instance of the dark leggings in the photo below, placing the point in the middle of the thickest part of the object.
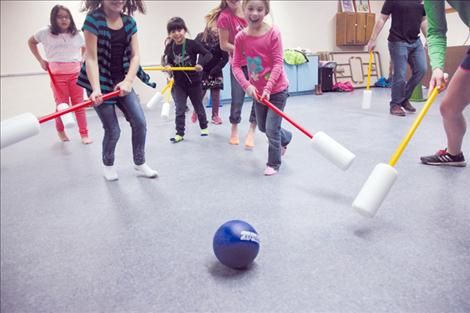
(180, 95)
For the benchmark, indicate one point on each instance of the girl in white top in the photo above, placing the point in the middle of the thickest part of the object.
(65, 48)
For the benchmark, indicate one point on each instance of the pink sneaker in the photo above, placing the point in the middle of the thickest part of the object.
(194, 117)
(269, 171)
(216, 120)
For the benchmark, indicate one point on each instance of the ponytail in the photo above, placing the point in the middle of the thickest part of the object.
(213, 15)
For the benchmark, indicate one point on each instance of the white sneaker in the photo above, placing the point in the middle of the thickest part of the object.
(110, 173)
(146, 170)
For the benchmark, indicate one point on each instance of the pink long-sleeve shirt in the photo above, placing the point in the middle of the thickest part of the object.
(264, 55)
(233, 24)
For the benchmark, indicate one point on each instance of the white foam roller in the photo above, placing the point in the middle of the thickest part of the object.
(18, 128)
(332, 150)
(375, 189)
(67, 119)
(366, 99)
(165, 111)
(155, 100)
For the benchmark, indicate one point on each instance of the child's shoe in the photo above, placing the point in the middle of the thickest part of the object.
(177, 139)
(205, 132)
(194, 117)
(110, 173)
(269, 171)
(146, 170)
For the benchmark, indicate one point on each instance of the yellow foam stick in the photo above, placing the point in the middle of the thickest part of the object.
(380, 181)
(161, 68)
(169, 87)
(369, 69)
(413, 128)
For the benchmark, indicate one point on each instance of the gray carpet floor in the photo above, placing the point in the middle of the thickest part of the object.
(73, 242)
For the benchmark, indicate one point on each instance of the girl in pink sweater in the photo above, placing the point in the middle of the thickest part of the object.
(260, 45)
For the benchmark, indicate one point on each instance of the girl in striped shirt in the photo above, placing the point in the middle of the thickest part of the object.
(112, 63)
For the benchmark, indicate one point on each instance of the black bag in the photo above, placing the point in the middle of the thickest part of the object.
(325, 75)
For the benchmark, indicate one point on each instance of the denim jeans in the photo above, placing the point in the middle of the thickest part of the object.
(180, 95)
(269, 122)
(238, 97)
(130, 106)
(401, 54)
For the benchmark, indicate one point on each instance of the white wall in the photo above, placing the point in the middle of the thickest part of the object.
(309, 24)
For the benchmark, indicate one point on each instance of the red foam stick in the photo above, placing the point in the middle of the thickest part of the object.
(76, 107)
(51, 76)
(278, 111)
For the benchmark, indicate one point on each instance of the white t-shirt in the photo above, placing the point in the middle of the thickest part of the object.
(62, 47)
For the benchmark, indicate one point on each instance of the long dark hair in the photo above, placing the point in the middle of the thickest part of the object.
(129, 8)
(176, 23)
(55, 29)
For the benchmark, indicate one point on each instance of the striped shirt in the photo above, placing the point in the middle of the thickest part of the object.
(95, 23)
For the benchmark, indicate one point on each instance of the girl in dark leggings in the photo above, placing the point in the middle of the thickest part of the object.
(183, 52)
(212, 77)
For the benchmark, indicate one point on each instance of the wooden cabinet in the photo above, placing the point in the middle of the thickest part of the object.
(354, 29)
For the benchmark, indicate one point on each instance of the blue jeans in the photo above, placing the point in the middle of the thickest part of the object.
(130, 106)
(238, 97)
(269, 122)
(403, 53)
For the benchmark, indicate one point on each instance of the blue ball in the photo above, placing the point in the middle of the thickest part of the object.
(236, 244)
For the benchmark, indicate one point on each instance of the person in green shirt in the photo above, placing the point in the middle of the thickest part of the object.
(457, 96)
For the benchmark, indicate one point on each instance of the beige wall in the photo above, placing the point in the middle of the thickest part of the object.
(308, 24)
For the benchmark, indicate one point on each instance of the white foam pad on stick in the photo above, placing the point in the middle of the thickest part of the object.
(155, 100)
(366, 99)
(375, 189)
(67, 119)
(165, 111)
(332, 150)
(18, 128)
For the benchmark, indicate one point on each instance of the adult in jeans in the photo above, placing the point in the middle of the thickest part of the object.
(457, 96)
(112, 63)
(405, 47)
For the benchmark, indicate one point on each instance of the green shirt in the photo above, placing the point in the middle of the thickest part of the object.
(437, 27)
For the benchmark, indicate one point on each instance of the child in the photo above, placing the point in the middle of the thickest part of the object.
(212, 78)
(260, 44)
(183, 52)
(64, 47)
(230, 20)
(112, 63)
